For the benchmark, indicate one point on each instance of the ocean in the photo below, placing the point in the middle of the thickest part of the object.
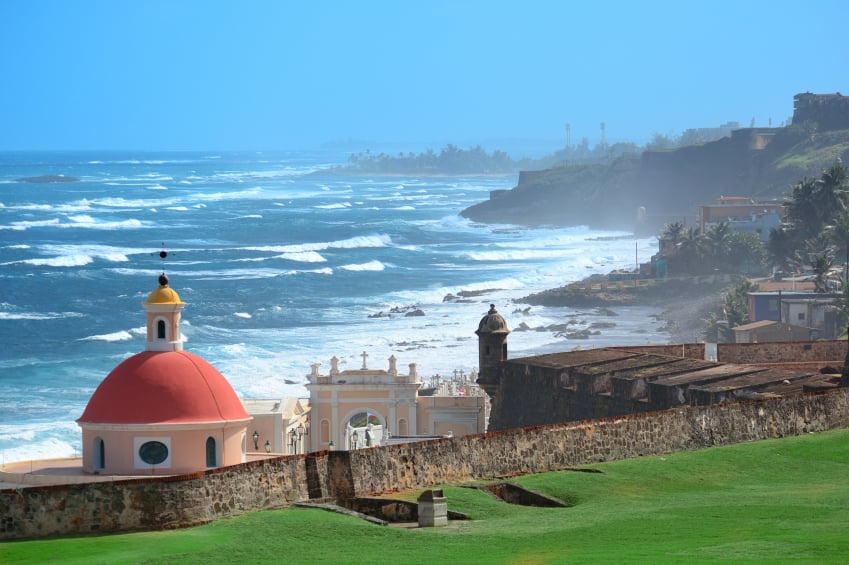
(281, 265)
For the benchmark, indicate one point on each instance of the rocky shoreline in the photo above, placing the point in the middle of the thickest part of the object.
(685, 305)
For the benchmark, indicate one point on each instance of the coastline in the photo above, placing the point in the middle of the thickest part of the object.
(685, 304)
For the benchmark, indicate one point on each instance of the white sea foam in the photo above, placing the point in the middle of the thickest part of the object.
(300, 256)
(114, 336)
(63, 261)
(157, 187)
(77, 255)
(244, 315)
(250, 274)
(366, 241)
(370, 266)
(337, 206)
(37, 315)
(46, 448)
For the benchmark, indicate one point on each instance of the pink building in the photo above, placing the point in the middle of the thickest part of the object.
(163, 411)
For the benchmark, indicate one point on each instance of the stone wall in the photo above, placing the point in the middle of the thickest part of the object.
(155, 503)
(827, 351)
(687, 350)
(186, 500)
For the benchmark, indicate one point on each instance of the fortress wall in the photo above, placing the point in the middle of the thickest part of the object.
(688, 350)
(782, 352)
(155, 503)
(171, 502)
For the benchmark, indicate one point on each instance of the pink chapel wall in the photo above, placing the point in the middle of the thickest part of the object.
(185, 500)
(187, 446)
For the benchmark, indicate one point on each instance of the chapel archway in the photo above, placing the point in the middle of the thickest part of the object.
(364, 428)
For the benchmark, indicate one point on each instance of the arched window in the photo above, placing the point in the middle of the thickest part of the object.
(211, 456)
(325, 432)
(160, 329)
(99, 456)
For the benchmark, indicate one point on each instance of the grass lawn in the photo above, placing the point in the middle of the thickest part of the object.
(771, 501)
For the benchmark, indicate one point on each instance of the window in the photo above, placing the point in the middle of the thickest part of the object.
(773, 305)
(211, 458)
(99, 456)
(160, 329)
(801, 316)
(325, 432)
(153, 452)
(402, 427)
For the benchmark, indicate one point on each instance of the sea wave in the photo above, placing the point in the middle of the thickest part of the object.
(114, 336)
(337, 206)
(370, 266)
(78, 222)
(300, 256)
(365, 241)
(38, 315)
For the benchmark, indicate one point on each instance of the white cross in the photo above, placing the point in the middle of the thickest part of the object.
(364, 360)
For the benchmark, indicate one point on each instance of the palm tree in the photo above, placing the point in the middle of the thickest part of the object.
(781, 247)
(821, 265)
(717, 242)
(692, 250)
(672, 235)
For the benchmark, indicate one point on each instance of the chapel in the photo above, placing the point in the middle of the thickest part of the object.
(163, 411)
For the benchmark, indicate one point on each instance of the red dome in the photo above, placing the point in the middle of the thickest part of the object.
(163, 387)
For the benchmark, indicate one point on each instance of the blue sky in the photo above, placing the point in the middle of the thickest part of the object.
(294, 75)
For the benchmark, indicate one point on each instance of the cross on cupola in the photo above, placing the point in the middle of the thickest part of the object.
(163, 307)
(162, 255)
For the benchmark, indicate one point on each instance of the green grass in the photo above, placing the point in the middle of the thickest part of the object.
(778, 501)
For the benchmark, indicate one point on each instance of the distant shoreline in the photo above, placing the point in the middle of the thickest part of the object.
(685, 304)
(354, 173)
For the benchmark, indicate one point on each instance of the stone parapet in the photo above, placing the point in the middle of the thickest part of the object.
(179, 501)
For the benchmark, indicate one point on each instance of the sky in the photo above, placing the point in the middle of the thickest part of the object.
(264, 75)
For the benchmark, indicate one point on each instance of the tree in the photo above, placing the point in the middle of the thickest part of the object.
(672, 235)
(821, 265)
(692, 250)
(746, 253)
(717, 243)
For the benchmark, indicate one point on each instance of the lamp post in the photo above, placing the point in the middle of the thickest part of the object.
(301, 437)
(256, 440)
(267, 446)
(292, 441)
(354, 437)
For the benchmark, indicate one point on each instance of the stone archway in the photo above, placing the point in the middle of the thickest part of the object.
(362, 428)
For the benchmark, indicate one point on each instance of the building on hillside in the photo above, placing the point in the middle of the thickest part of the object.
(743, 214)
(767, 305)
(815, 311)
(769, 330)
(818, 312)
(366, 407)
(828, 111)
(163, 411)
(280, 425)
